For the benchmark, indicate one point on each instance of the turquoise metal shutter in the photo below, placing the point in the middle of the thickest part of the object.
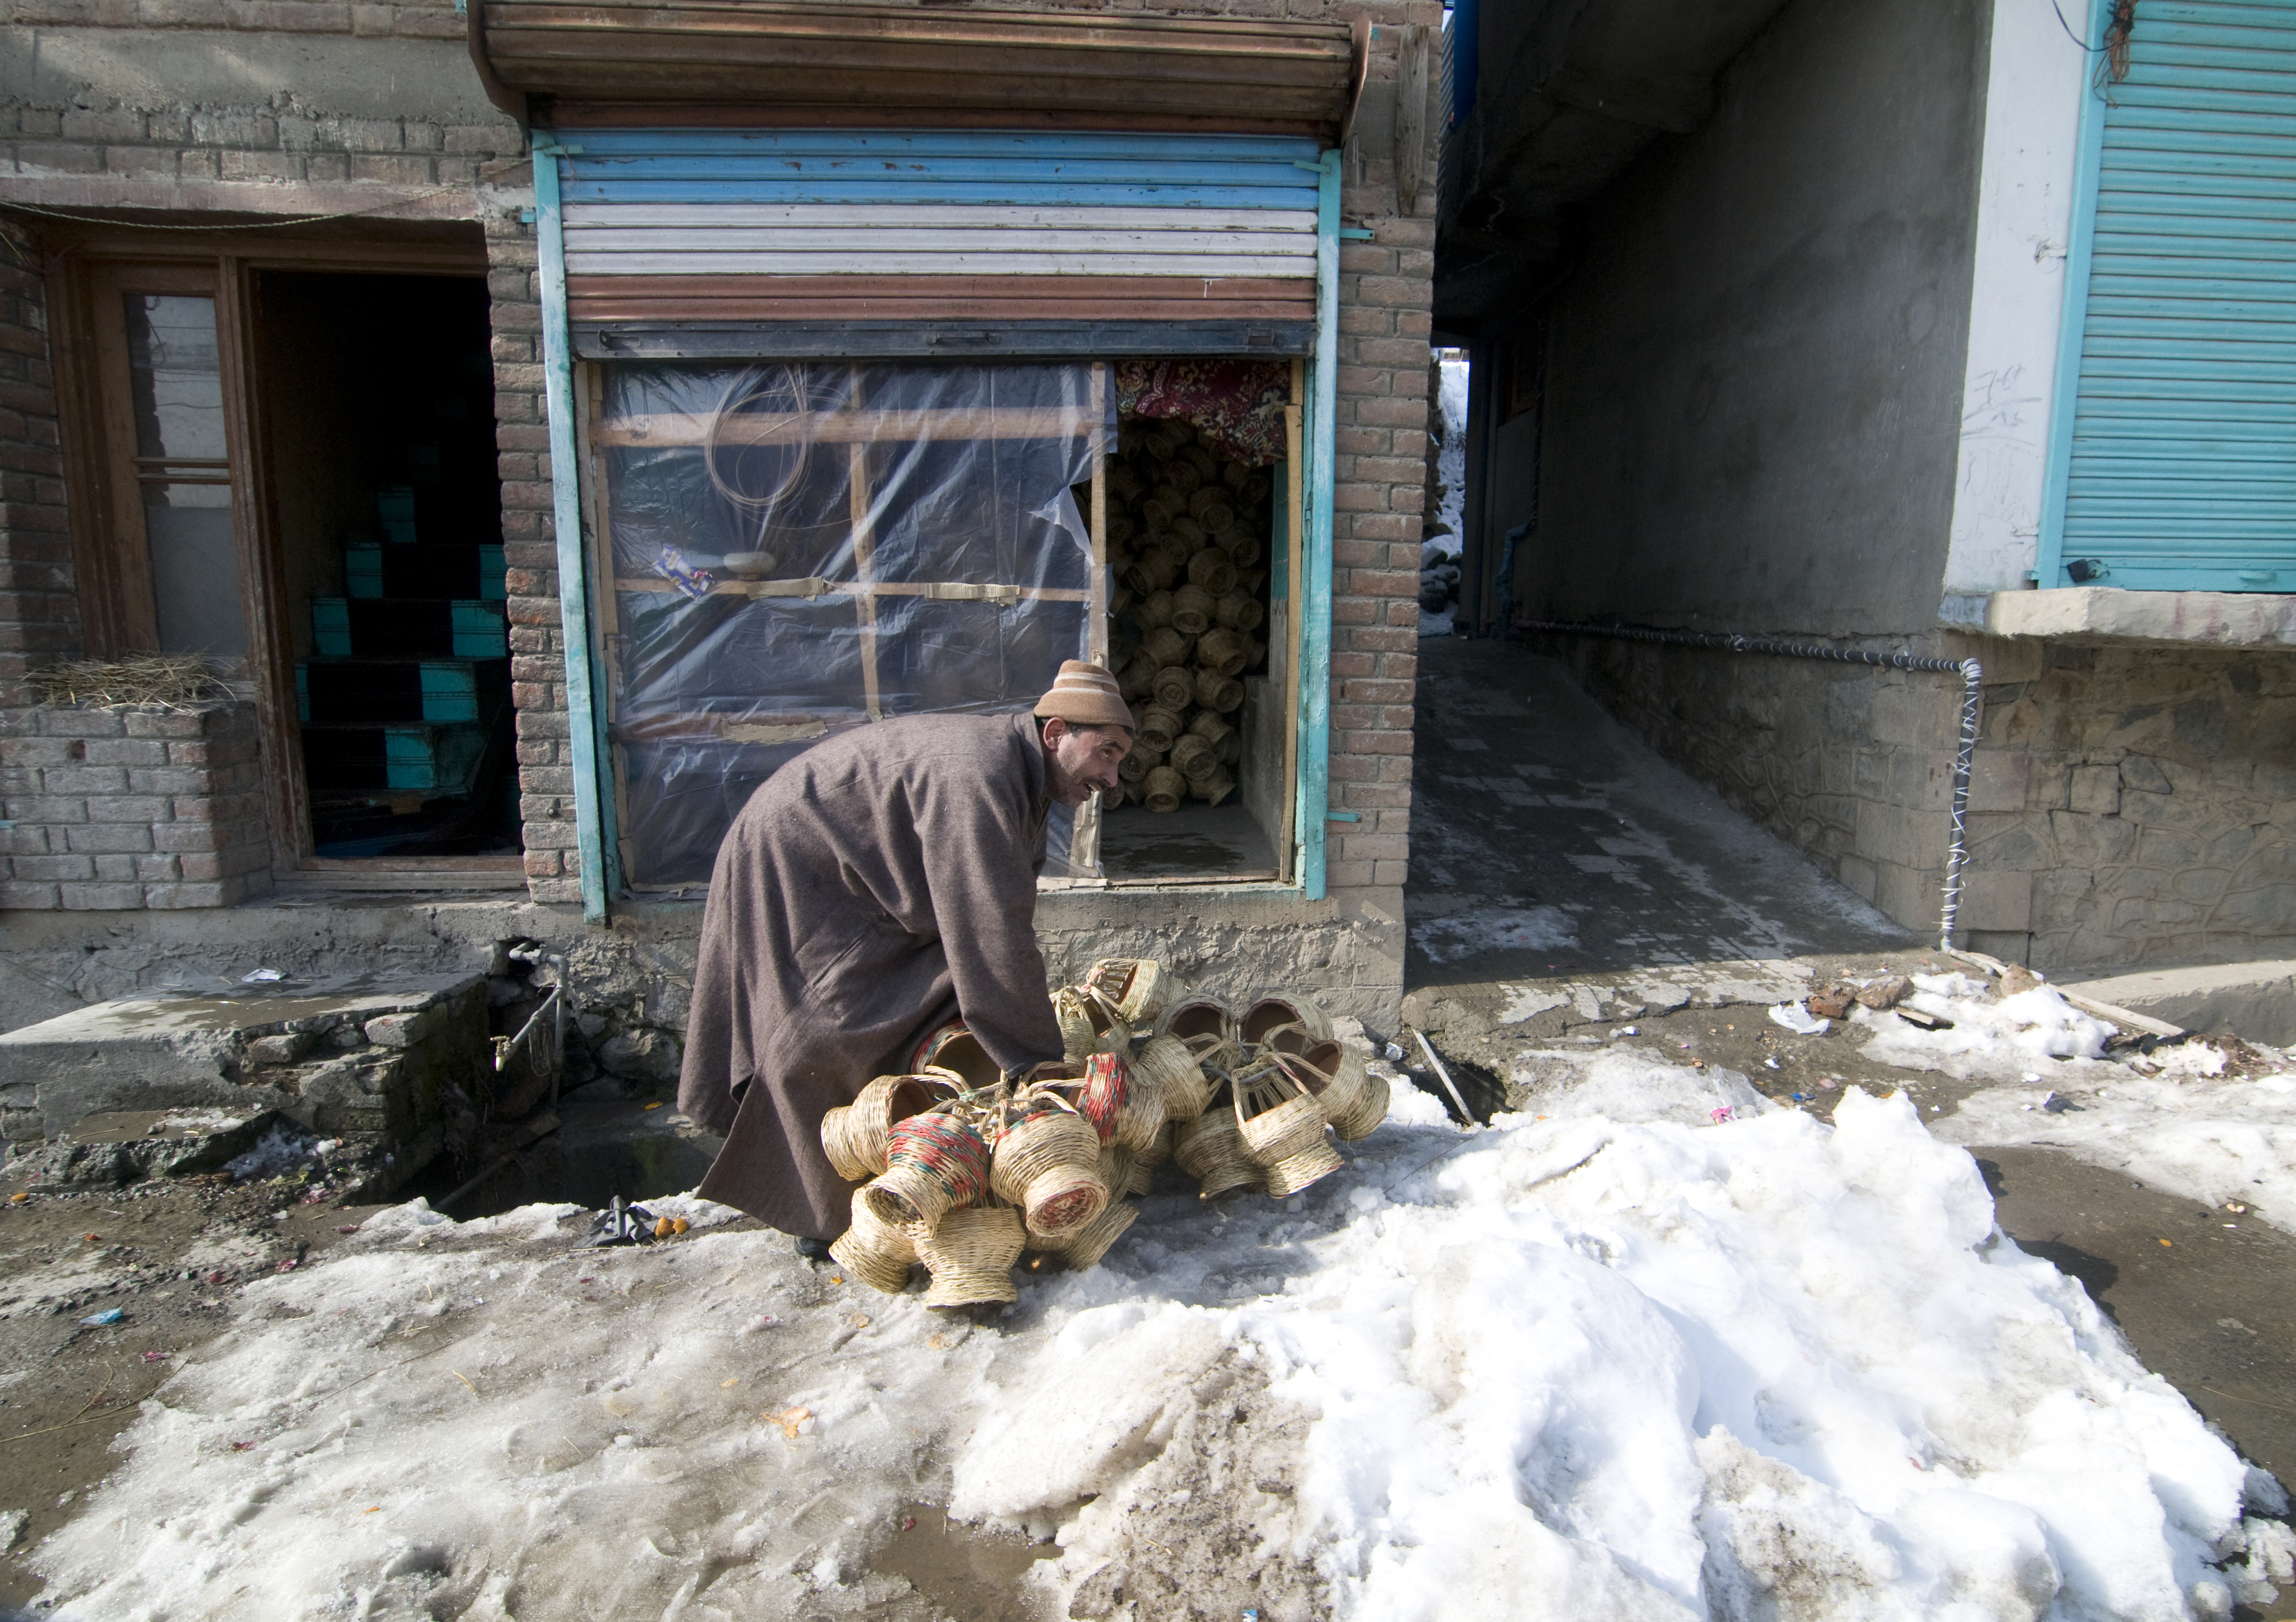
(2179, 470)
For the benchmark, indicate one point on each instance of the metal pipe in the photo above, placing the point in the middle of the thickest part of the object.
(1466, 1116)
(1972, 673)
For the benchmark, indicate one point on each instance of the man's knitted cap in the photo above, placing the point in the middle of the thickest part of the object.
(1087, 695)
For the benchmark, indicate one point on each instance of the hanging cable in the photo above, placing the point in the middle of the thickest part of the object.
(1973, 678)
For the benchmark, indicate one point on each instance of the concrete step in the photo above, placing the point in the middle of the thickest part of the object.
(392, 1064)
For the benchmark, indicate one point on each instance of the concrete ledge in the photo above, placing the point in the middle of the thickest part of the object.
(2102, 614)
(2257, 1000)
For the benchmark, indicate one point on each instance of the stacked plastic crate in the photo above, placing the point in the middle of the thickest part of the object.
(409, 674)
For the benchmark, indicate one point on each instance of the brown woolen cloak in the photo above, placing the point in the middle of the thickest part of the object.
(877, 886)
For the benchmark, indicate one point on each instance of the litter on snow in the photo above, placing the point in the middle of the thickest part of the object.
(1792, 1016)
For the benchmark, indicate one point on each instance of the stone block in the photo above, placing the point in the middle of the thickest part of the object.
(2097, 790)
(2144, 774)
(1992, 900)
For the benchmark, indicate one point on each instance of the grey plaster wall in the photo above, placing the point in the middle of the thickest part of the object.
(1755, 371)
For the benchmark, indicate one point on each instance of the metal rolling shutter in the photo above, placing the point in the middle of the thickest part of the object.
(2182, 471)
(740, 243)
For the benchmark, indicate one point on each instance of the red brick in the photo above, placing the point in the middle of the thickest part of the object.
(1394, 411)
(541, 864)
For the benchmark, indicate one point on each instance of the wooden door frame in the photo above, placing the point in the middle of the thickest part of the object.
(85, 268)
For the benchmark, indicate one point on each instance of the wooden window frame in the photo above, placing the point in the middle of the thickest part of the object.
(89, 267)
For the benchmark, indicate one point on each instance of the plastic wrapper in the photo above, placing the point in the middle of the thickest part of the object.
(798, 549)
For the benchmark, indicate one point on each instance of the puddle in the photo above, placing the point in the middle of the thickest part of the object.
(967, 1573)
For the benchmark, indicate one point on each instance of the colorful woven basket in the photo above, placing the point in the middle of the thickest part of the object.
(935, 1163)
(1120, 1112)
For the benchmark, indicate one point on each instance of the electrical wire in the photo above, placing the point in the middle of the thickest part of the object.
(241, 225)
(1972, 698)
(2091, 49)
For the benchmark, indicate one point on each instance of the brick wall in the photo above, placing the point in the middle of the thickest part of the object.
(39, 616)
(129, 807)
(537, 637)
(1386, 293)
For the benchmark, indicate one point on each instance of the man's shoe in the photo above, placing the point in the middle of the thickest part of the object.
(813, 1249)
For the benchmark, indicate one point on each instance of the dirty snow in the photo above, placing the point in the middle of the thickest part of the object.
(1450, 936)
(2173, 1120)
(1624, 1359)
(1986, 1035)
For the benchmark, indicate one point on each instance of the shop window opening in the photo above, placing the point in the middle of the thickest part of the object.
(798, 549)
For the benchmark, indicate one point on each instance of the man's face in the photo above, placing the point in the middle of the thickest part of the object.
(1081, 761)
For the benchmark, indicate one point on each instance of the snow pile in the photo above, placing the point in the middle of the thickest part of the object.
(2171, 1120)
(1763, 1367)
(2213, 1139)
(2026, 1028)
(1625, 1359)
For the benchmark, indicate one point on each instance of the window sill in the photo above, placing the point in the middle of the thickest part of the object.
(2106, 614)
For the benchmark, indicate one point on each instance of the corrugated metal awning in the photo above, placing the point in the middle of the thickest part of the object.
(792, 241)
(757, 62)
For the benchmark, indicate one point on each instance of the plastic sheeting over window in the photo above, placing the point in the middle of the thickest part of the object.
(798, 550)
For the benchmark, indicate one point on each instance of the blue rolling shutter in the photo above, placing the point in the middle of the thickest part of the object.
(2180, 474)
(888, 241)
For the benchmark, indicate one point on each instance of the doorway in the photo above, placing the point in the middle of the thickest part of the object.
(378, 396)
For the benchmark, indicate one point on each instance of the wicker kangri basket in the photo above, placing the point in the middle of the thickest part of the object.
(1353, 1098)
(1084, 1247)
(873, 1251)
(937, 1163)
(1046, 1161)
(1282, 1125)
(1090, 1023)
(1137, 986)
(1211, 1149)
(1166, 1067)
(970, 1255)
(855, 1134)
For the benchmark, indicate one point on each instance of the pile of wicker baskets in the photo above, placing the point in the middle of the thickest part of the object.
(964, 1168)
(1187, 545)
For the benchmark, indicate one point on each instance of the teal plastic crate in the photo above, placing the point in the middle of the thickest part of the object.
(394, 627)
(331, 627)
(440, 759)
(491, 571)
(480, 630)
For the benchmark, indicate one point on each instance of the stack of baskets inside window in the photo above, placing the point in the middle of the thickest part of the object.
(964, 1168)
(1188, 543)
